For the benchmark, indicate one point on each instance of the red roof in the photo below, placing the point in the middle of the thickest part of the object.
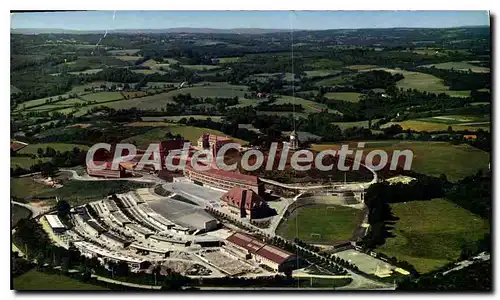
(240, 197)
(255, 246)
(274, 254)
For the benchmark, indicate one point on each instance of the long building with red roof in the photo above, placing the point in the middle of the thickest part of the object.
(225, 180)
(251, 247)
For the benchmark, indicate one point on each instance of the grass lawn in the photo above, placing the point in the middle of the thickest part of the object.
(225, 60)
(309, 106)
(429, 234)
(430, 158)
(344, 125)
(460, 66)
(36, 102)
(89, 71)
(124, 52)
(103, 96)
(80, 192)
(432, 124)
(26, 187)
(361, 67)
(18, 213)
(25, 162)
(347, 96)
(34, 281)
(190, 133)
(32, 148)
(197, 117)
(159, 101)
(128, 57)
(200, 67)
(321, 73)
(333, 223)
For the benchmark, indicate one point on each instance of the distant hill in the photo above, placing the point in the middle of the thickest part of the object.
(167, 30)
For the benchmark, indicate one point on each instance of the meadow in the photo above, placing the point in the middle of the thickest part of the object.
(39, 281)
(190, 133)
(430, 158)
(18, 213)
(309, 106)
(320, 223)
(433, 124)
(346, 96)
(33, 148)
(429, 234)
(460, 66)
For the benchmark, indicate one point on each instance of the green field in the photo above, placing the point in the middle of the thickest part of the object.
(26, 187)
(36, 281)
(361, 67)
(36, 102)
(196, 117)
(190, 133)
(347, 96)
(433, 124)
(128, 57)
(148, 71)
(18, 213)
(460, 66)
(124, 52)
(32, 148)
(309, 106)
(200, 67)
(337, 80)
(25, 162)
(430, 158)
(424, 82)
(332, 222)
(89, 71)
(429, 234)
(321, 73)
(225, 60)
(344, 125)
(103, 96)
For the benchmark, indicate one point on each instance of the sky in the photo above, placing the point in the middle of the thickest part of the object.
(100, 20)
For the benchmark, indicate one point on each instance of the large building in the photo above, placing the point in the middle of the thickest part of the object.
(107, 172)
(250, 247)
(245, 202)
(212, 141)
(55, 224)
(225, 180)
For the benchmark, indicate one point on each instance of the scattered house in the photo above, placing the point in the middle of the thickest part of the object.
(470, 137)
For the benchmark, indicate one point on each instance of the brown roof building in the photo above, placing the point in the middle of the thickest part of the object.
(263, 253)
(248, 203)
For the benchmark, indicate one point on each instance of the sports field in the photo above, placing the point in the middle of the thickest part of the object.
(320, 223)
(347, 96)
(429, 234)
(36, 281)
(430, 158)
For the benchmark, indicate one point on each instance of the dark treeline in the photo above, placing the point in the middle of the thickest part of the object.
(375, 79)
(459, 80)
